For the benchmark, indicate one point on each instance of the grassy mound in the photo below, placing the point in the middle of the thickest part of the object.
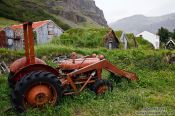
(144, 44)
(93, 38)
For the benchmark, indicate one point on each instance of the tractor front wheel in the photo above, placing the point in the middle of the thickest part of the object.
(102, 86)
(36, 89)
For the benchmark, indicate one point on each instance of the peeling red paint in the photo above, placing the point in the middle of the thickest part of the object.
(34, 25)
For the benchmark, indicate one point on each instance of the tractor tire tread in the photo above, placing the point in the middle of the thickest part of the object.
(33, 77)
(101, 82)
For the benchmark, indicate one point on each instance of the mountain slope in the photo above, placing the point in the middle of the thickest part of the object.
(7, 22)
(66, 13)
(139, 23)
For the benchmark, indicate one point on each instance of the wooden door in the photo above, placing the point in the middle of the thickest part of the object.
(3, 39)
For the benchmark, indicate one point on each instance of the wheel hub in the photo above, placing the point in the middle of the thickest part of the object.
(39, 95)
(41, 98)
(102, 89)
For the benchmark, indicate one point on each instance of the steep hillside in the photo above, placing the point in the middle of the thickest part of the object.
(7, 22)
(139, 23)
(66, 13)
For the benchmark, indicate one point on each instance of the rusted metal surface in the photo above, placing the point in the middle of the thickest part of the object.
(96, 66)
(79, 90)
(73, 78)
(26, 43)
(29, 43)
(21, 63)
(39, 95)
(35, 67)
(102, 89)
(104, 64)
(72, 64)
(3, 39)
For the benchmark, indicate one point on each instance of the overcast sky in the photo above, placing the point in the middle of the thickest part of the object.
(117, 9)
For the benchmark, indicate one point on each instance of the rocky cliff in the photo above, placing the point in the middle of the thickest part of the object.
(75, 13)
(77, 10)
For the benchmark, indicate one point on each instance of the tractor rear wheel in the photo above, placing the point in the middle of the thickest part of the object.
(36, 89)
(102, 86)
(10, 82)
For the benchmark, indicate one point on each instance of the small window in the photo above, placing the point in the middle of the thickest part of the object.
(51, 32)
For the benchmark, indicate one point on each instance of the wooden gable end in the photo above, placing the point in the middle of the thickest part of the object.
(110, 40)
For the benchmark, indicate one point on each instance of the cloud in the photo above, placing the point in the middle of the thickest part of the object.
(117, 9)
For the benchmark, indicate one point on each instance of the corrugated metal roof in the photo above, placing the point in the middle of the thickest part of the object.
(34, 25)
(1, 29)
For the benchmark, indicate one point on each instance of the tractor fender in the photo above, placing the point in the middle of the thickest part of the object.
(34, 67)
(20, 63)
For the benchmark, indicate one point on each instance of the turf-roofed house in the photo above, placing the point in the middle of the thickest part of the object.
(110, 40)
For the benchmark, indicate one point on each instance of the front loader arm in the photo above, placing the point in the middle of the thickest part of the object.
(113, 69)
(104, 64)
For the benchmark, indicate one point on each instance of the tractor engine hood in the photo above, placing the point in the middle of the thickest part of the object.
(73, 64)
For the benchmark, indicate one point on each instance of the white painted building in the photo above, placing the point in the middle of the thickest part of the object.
(150, 37)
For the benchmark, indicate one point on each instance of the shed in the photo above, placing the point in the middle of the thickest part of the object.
(12, 40)
(170, 44)
(110, 40)
(44, 31)
(150, 37)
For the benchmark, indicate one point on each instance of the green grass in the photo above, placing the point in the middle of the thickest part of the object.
(144, 44)
(155, 87)
(7, 22)
(82, 37)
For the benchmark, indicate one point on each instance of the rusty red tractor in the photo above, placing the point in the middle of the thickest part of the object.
(34, 83)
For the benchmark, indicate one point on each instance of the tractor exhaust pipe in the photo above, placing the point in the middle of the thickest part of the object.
(29, 43)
